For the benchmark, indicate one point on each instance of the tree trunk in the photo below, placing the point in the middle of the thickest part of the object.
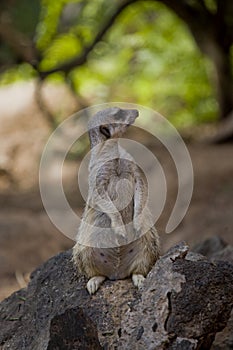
(223, 78)
(213, 35)
(224, 84)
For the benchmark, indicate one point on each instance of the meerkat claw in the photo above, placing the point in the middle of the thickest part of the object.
(94, 283)
(138, 280)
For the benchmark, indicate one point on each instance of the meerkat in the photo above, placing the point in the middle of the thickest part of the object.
(116, 238)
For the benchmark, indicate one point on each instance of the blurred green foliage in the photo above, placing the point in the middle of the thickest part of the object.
(147, 57)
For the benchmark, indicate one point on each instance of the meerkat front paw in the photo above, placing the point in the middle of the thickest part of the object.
(138, 280)
(94, 283)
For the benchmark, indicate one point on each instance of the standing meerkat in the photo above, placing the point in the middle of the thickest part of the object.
(116, 238)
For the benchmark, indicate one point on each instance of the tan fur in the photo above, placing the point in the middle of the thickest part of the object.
(145, 251)
(124, 250)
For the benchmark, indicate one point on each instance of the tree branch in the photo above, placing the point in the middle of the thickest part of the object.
(81, 59)
(81, 102)
(39, 100)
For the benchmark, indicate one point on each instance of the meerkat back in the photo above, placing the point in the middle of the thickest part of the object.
(114, 240)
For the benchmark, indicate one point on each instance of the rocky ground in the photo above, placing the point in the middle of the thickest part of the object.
(185, 303)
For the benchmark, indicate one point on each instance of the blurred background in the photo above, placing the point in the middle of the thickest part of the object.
(58, 57)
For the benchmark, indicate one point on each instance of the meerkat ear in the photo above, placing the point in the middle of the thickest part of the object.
(105, 131)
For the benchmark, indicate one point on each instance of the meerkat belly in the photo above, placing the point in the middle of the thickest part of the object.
(116, 263)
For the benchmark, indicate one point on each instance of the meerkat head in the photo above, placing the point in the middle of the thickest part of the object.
(110, 123)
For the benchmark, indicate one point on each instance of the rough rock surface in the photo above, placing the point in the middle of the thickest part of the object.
(186, 299)
(29, 317)
(184, 303)
(73, 330)
(210, 246)
(224, 340)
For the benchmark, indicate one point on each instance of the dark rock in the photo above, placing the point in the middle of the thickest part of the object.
(186, 299)
(190, 301)
(182, 344)
(27, 317)
(224, 340)
(216, 249)
(73, 330)
(226, 254)
(210, 246)
(202, 305)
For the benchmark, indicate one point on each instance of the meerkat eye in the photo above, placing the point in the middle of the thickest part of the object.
(105, 131)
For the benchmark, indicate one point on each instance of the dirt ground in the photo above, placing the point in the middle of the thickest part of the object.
(28, 238)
